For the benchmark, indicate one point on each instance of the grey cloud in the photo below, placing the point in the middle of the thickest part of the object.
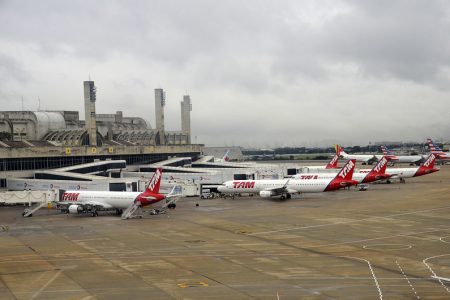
(259, 72)
(11, 69)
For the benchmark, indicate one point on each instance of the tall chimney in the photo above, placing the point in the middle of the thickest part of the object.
(186, 108)
(89, 111)
(160, 102)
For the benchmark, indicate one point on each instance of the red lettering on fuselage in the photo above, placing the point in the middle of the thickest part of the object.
(70, 196)
(243, 184)
(309, 177)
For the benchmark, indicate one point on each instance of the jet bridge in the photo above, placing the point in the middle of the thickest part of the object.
(34, 199)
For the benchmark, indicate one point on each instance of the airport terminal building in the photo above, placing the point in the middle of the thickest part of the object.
(35, 140)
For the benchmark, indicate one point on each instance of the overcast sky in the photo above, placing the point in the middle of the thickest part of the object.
(259, 73)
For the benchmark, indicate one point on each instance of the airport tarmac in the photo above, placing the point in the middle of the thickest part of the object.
(383, 243)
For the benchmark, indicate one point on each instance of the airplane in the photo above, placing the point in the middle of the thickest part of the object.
(125, 203)
(364, 158)
(378, 172)
(425, 168)
(411, 159)
(284, 188)
(225, 157)
(436, 150)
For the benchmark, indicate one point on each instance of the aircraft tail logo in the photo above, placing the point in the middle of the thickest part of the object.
(155, 182)
(380, 167)
(347, 170)
(333, 162)
(429, 163)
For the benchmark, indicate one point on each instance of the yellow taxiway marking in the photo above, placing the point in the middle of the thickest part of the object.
(193, 284)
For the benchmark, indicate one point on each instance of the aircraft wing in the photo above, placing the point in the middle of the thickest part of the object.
(282, 190)
(86, 203)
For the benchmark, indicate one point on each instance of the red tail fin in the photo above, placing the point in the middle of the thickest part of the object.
(338, 149)
(380, 167)
(428, 166)
(155, 182)
(332, 164)
(346, 173)
(344, 177)
(429, 163)
(378, 172)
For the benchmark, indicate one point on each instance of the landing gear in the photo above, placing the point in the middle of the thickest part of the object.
(119, 211)
(94, 213)
(288, 196)
(172, 206)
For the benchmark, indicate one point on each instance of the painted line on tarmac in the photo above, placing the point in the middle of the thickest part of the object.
(376, 247)
(442, 239)
(379, 238)
(432, 271)
(407, 279)
(380, 294)
(347, 222)
(38, 292)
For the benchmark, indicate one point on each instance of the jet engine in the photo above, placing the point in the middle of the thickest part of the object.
(75, 209)
(265, 194)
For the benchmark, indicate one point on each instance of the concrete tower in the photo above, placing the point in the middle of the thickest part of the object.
(89, 111)
(160, 102)
(186, 108)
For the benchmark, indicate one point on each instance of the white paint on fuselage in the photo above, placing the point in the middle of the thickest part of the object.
(330, 175)
(404, 158)
(358, 157)
(298, 186)
(398, 172)
(120, 200)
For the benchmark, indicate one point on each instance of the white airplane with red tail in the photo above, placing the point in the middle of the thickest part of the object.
(424, 169)
(364, 158)
(378, 172)
(284, 188)
(125, 203)
(411, 159)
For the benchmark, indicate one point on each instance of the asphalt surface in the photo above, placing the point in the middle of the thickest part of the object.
(383, 243)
